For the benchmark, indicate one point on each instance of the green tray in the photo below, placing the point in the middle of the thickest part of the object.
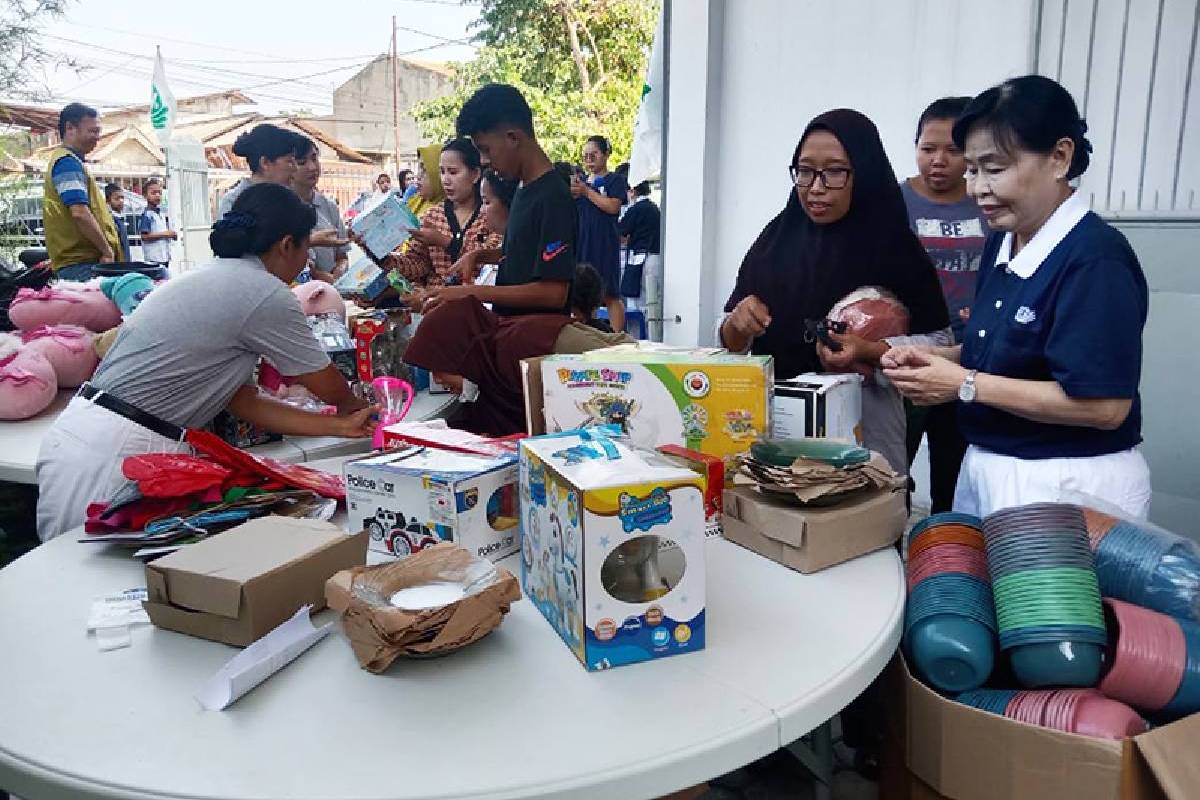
(783, 452)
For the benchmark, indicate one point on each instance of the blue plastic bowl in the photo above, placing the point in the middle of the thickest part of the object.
(1043, 634)
(1187, 697)
(1062, 663)
(953, 653)
(994, 700)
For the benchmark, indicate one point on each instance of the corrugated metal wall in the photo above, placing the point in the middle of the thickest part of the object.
(1134, 68)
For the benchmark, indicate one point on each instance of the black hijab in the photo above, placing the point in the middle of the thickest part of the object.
(799, 269)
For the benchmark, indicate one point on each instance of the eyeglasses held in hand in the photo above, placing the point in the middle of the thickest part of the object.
(831, 177)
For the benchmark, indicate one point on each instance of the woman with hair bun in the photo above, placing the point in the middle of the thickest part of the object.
(1047, 375)
(189, 351)
(270, 152)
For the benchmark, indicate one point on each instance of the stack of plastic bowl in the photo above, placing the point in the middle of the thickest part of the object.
(1046, 593)
(1187, 697)
(1146, 657)
(1151, 568)
(1098, 524)
(950, 623)
(1083, 711)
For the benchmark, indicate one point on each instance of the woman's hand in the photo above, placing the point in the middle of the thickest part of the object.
(326, 238)
(924, 378)
(578, 187)
(357, 425)
(466, 266)
(750, 317)
(431, 237)
(437, 295)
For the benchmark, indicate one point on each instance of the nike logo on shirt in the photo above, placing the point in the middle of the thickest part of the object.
(553, 251)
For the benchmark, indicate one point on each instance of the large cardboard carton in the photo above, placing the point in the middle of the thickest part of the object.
(612, 548)
(410, 499)
(811, 539)
(818, 406)
(962, 753)
(702, 399)
(238, 586)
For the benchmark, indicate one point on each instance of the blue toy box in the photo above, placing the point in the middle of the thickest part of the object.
(612, 547)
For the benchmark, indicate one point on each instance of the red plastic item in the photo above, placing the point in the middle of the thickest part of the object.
(874, 314)
(173, 474)
(295, 476)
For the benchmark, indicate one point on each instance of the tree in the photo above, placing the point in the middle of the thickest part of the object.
(579, 63)
(20, 48)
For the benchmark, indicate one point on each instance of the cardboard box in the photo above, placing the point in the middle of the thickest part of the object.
(702, 399)
(962, 753)
(712, 469)
(337, 343)
(241, 584)
(811, 539)
(818, 406)
(612, 548)
(410, 499)
(380, 339)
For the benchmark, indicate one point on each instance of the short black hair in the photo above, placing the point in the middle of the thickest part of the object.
(466, 149)
(600, 142)
(642, 189)
(261, 216)
(110, 189)
(587, 290)
(303, 146)
(403, 175)
(265, 141)
(152, 182)
(504, 189)
(1030, 113)
(943, 108)
(383, 175)
(73, 114)
(494, 106)
(622, 169)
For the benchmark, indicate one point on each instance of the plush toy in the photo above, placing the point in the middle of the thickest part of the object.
(68, 348)
(127, 290)
(318, 297)
(27, 381)
(56, 305)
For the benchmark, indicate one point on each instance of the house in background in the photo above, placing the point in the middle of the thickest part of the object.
(362, 106)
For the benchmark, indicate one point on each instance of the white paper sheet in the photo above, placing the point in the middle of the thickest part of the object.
(261, 660)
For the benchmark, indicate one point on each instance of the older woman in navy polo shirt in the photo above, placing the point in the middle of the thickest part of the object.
(1047, 374)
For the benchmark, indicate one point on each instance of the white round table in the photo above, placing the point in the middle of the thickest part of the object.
(514, 715)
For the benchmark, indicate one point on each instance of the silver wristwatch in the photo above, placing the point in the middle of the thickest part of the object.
(966, 392)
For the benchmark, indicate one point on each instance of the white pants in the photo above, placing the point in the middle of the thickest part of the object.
(989, 481)
(80, 462)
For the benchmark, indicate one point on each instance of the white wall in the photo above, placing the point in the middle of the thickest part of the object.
(746, 76)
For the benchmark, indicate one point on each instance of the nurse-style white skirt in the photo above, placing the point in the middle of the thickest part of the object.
(80, 462)
(989, 481)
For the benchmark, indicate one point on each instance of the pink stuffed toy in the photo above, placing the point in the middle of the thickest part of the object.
(318, 297)
(57, 305)
(69, 350)
(27, 381)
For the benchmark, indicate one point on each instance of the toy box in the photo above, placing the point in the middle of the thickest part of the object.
(818, 406)
(612, 547)
(416, 497)
(385, 225)
(364, 279)
(335, 340)
(380, 339)
(713, 470)
(705, 400)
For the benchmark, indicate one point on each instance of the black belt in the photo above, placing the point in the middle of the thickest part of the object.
(131, 412)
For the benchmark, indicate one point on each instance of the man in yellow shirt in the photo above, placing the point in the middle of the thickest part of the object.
(80, 233)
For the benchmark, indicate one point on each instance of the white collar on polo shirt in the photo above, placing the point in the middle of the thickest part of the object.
(1053, 231)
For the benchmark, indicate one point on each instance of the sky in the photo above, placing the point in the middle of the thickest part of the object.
(285, 61)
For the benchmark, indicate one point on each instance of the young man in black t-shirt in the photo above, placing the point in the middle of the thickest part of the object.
(539, 242)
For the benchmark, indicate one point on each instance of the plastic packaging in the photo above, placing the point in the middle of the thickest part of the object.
(873, 314)
(1141, 563)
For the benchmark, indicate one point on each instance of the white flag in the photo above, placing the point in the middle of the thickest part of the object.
(162, 103)
(646, 160)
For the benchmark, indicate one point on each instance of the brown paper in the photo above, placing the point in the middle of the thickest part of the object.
(810, 481)
(379, 633)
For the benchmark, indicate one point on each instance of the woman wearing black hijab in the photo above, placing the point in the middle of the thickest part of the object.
(844, 227)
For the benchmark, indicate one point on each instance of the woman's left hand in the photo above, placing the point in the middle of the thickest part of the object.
(855, 350)
(927, 380)
(431, 237)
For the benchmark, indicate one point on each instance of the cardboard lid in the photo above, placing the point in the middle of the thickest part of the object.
(1170, 751)
(210, 576)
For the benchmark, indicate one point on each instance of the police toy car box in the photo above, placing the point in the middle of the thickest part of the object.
(410, 499)
(702, 399)
(612, 547)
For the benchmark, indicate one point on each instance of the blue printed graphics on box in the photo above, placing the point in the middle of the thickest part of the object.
(410, 499)
(612, 547)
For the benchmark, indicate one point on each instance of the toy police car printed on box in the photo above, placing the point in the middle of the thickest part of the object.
(413, 498)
